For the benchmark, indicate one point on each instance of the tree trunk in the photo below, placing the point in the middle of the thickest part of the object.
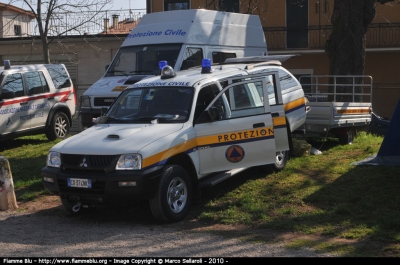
(46, 51)
(346, 45)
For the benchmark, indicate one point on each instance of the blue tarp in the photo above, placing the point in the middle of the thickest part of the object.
(389, 152)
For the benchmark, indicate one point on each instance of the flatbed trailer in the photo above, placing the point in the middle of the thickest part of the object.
(338, 106)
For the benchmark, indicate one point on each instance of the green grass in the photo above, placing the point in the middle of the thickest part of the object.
(338, 208)
(27, 156)
(322, 195)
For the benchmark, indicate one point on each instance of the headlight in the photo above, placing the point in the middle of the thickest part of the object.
(129, 162)
(53, 159)
(85, 102)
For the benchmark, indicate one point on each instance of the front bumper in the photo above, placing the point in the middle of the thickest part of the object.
(105, 187)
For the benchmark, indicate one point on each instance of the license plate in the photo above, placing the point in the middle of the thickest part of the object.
(80, 183)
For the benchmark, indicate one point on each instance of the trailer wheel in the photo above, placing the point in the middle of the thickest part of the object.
(347, 137)
(173, 197)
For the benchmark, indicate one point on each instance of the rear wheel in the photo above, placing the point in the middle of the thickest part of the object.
(280, 160)
(174, 195)
(59, 127)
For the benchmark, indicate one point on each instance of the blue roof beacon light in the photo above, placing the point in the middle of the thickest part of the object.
(206, 66)
(161, 64)
(166, 70)
(7, 64)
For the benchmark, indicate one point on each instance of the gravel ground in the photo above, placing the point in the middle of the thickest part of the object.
(44, 229)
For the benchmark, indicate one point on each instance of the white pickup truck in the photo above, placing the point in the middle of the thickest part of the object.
(166, 137)
(338, 106)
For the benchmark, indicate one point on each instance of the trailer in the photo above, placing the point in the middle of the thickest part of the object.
(337, 105)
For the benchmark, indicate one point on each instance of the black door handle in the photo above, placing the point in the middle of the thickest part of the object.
(23, 103)
(258, 125)
(275, 114)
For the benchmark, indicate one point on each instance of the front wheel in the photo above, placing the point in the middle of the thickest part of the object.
(174, 195)
(59, 127)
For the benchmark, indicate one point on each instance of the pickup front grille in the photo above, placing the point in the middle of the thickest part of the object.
(100, 102)
(88, 163)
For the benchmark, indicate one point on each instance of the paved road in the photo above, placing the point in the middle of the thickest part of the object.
(45, 229)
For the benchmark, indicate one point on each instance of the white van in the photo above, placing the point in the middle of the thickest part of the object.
(167, 136)
(182, 38)
(37, 98)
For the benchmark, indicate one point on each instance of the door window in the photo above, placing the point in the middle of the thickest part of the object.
(36, 83)
(243, 100)
(13, 83)
(192, 58)
(220, 57)
(205, 97)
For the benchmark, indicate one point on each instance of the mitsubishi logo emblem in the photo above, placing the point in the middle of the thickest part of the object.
(83, 164)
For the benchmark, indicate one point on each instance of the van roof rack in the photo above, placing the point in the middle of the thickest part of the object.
(254, 61)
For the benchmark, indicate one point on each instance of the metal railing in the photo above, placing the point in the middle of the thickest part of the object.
(349, 88)
(378, 35)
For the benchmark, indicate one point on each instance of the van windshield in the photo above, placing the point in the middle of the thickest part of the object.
(145, 105)
(143, 59)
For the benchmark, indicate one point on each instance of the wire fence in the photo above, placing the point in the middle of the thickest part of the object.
(79, 23)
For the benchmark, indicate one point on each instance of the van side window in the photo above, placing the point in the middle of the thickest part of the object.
(59, 76)
(13, 83)
(220, 57)
(192, 58)
(36, 83)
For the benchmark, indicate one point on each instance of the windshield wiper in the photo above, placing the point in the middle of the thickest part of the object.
(106, 119)
(141, 71)
(155, 119)
(118, 71)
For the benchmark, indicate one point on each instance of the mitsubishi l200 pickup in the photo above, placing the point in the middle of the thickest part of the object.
(166, 137)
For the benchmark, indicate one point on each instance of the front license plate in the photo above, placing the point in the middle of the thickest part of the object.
(80, 183)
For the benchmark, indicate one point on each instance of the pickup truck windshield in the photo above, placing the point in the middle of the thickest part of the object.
(145, 105)
(143, 59)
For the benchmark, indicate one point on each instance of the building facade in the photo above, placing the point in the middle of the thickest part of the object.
(15, 22)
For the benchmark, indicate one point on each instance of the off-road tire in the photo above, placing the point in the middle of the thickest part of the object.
(280, 161)
(59, 127)
(174, 195)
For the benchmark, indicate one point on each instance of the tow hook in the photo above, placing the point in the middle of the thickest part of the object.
(76, 207)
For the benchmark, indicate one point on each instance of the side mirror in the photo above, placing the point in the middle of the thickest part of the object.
(213, 114)
(103, 111)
